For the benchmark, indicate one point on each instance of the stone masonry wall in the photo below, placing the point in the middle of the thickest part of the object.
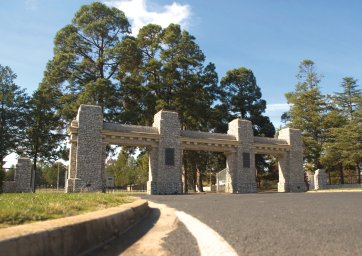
(23, 177)
(241, 164)
(168, 179)
(89, 157)
(291, 173)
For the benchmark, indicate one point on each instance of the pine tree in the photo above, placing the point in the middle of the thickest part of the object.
(307, 111)
(243, 99)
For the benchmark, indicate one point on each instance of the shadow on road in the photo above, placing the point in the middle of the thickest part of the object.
(121, 243)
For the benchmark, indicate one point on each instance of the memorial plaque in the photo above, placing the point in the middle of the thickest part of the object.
(170, 156)
(246, 160)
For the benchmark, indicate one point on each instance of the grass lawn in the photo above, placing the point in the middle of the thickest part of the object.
(23, 208)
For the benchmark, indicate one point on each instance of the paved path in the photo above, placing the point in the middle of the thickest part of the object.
(268, 224)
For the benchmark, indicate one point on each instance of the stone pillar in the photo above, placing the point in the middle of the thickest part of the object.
(291, 173)
(153, 170)
(166, 179)
(23, 182)
(69, 181)
(320, 179)
(231, 171)
(89, 155)
(242, 170)
(310, 177)
(283, 165)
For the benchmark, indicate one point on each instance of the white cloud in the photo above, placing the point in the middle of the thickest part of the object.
(139, 13)
(275, 111)
(278, 107)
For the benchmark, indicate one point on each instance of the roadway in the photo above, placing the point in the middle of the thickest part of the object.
(251, 224)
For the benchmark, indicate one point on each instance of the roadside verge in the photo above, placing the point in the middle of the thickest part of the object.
(73, 235)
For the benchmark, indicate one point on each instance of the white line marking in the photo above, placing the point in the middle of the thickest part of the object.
(209, 241)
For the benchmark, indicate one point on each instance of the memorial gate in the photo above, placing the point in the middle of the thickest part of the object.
(89, 136)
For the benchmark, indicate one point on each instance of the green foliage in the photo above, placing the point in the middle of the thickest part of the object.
(343, 147)
(20, 208)
(2, 178)
(9, 174)
(87, 55)
(12, 109)
(142, 168)
(51, 173)
(243, 99)
(307, 111)
(44, 130)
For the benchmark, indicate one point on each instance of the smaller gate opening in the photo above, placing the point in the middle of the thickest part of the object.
(126, 169)
(267, 173)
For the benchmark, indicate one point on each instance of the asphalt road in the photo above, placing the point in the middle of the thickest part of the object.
(272, 223)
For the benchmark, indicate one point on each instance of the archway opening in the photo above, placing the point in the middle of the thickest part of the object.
(199, 170)
(267, 172)
(126, 168)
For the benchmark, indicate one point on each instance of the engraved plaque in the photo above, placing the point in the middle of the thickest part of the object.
(246, 160)
(170, 156)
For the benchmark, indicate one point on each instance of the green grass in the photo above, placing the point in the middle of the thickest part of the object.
(23, 208)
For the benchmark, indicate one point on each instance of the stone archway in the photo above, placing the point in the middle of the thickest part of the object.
(89, 135)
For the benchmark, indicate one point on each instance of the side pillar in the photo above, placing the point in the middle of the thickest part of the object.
(69, 181)
(291, 173)
(23, 179)
(320, 179)
(166, 162)
(241, 164)
(89, 157)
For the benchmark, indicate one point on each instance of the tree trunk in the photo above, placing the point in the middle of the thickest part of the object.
(186, 189)
(33, 173)
(329, 177)
(199, 180)
(341, 173)
(358, 173)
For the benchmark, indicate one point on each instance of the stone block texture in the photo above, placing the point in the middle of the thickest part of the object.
(166, 159)
(320, 179)
(86, 174)
(291, 173)
(164, 141)
(241, 163)
(22, 179)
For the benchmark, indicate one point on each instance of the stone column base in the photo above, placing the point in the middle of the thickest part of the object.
(245, 188)
(297, 187)
(283, 187)
(292, 187)
(164, 188)
(69, 185)
(77, 185)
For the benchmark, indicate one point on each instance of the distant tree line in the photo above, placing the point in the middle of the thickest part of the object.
(97, 61)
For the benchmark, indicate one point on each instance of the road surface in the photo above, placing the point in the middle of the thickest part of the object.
(251, 224)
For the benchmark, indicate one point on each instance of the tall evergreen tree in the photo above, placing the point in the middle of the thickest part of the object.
(87, 55)
(173, 76)
(344, 145)
(243, 98)
(307, 111)
(13, 104)
(44, 127)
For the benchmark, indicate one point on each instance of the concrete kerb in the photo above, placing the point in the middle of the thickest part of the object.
(73, 235)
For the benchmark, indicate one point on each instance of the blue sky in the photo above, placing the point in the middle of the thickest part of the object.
(270, 37)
